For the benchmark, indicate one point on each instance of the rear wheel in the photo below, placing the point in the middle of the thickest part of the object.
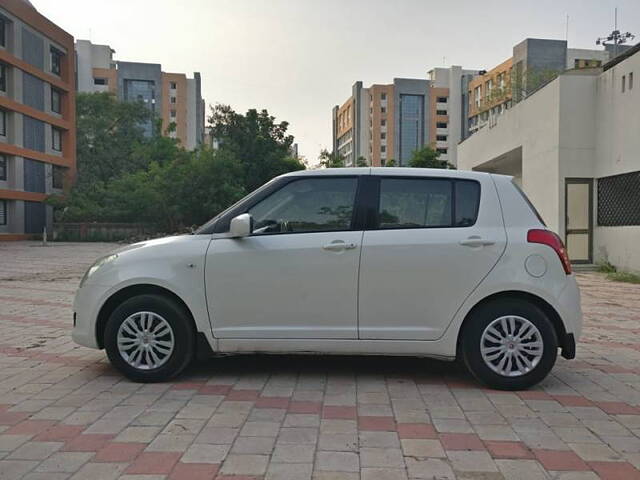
(509, 344)
(149, 338)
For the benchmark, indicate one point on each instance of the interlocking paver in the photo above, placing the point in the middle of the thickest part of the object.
(66, 413)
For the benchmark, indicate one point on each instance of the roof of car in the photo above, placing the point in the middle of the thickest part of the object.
(391, 171)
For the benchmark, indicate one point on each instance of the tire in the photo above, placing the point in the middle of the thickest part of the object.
(481, 327)
(156, 312)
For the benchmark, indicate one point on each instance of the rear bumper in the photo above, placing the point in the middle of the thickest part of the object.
(570, 311)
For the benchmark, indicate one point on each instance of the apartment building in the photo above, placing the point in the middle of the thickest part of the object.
(381, 123)
(173, 97)
(386, 122)
(573, 147)
(449, 109)
(534, 63)
(37, 118)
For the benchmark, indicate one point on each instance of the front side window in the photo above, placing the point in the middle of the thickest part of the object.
(56, 61)
(56, 104)
(427, 203)
(307, 205)
(56, 139)
(3, 32)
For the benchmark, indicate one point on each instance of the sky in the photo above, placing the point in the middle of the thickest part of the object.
(299, 58)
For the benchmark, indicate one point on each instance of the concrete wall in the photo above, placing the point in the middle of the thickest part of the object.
(617, 150)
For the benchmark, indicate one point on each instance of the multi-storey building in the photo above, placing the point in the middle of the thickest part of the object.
(449, 109)
(383, 122)
(533, 64)
(37, 117)
(389, 122)
(173, 97)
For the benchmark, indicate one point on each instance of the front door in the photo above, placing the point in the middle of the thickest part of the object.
(433, 242)
(578, 219)
(296, 276)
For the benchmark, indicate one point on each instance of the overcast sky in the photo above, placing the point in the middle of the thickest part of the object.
(299, 58)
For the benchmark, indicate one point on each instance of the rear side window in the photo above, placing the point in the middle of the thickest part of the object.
(427, 203)
(467, 202)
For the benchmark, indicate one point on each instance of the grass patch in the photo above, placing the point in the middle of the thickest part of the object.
(626, 277)
(606, 267)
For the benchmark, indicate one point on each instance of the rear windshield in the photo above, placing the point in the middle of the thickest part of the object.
(528, 202)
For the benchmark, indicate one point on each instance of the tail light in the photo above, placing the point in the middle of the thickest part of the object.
(547, 237)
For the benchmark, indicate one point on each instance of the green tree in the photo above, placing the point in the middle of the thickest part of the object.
(260, 145)
(362, 162)
(390, 163)
(427, 157)
(329, 159)
(108, 133)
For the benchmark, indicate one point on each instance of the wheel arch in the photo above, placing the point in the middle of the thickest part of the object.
(558, 326)
(129, 292)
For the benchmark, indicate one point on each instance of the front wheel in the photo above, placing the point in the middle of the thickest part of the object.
(149, 338)
(509, 344)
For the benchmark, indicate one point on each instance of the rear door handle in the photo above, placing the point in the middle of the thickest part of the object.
(476, 241)
(338, 245)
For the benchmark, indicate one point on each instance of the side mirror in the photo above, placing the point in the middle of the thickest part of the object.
(241, 226)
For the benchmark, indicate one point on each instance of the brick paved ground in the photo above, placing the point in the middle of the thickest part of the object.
(65, 413)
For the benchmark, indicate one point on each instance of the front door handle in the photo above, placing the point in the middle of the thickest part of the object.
(476, 241)
(339, 245)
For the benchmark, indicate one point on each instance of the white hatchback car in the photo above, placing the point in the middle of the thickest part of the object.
(384, 261)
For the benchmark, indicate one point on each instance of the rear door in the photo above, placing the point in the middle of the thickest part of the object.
(431, 241)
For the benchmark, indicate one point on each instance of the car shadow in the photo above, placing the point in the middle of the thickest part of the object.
(420, 370)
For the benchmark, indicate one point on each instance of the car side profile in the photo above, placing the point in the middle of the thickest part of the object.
(373, 261)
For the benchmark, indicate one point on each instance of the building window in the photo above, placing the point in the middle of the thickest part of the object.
(3, 32)
(441, 138)
(3, 123)
(56, 101)
(383, 96)
(3, 77)
(383, 148)
(618, 200)
(3, 212)
(58, 177)
(383, 135)
(442, 99)
(630, 80)
(441, 150)
(383, 109)
(441, 112)
(100, 81)
(3, 167)
(173, 99)
(56, 61)
(478, 96)
(172, 85)
(624, 81)
(383, 122)
(441, 125)
(173, 114)
(56, 139)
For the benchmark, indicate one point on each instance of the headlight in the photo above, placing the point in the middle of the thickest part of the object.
(94, 268)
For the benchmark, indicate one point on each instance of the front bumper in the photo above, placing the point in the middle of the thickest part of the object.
(86, 306)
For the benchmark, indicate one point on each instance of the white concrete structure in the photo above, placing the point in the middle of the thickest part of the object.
(574, 146)
(89, 57)
(456, 80)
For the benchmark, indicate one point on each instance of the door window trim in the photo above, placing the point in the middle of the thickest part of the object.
(352, 223)
(220, 224)
(374, 207)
